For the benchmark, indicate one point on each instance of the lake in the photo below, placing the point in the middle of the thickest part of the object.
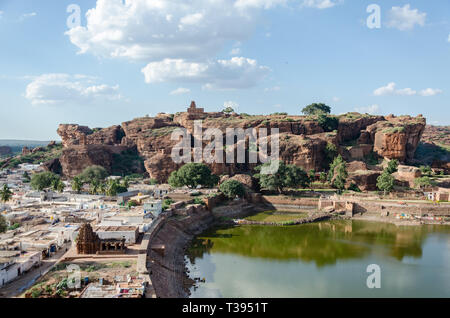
(326, 259)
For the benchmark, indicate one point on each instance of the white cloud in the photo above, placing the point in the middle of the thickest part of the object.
(336, 99)
(1, 14)
(372, 109)
(266, 4)
(180, 91)
(404, 18)
(448, 40)
(272, 89)
(406, 92)
(238, 72)
(319, 4)
(65, 88)
(390, 89)
(27, 15)
(159, 29)
(430, 92)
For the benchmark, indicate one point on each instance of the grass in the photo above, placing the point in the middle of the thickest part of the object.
(277, 216)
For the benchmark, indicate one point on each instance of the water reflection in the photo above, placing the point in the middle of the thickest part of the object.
(322, 243)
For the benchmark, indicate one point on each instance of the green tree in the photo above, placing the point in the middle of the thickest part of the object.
(316, 109)
(3, 224)
(426, 171)
(193, 175)
(386, 182)
(331, 152)
(338, 173)
(228, 110)
(328, 123)
(93, 173)
(323, 177)
(424, 182)
(112, 187)
(44, 180)
(5, 193)
(94, 186)
(392, 166)
(58, 186)
(287, 176)
(232, 188)
(77, 184)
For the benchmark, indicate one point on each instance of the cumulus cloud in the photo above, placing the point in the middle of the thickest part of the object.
(180, 91)
(238, 72)
(430, 92)
(235, 51)
(319, 4)
(50, 89)
(266, 4)
(372, 109)
(448, 40)
(404, 18)
(390, 89)
(154, 30)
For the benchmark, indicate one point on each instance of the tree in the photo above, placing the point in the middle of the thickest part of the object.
(426, 171)
(424, 182)
(5, 194)
(44, 180)
(58, 186)
(338, 173)
(323, 177)
(93, 173)
(328, 123)
(316, 109)
(386, 182)
(331, 152)
(77, 185)
(193, 175)
(3, 224)
(228, 110)
(392, 166)
(287, 176)
(95, 186)
(232, 188)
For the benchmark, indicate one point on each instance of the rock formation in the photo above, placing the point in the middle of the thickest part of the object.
(303, 141)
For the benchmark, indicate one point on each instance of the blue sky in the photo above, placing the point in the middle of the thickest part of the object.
(131, 58)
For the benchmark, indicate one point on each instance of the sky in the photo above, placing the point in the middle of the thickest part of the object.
(124, 59)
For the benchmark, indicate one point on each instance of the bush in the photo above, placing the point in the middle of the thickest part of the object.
(44, 180)
(93, 173)
(328, 123)
(232, 189)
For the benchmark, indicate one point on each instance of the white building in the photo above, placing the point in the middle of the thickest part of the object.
(154, 207)
(14, 263)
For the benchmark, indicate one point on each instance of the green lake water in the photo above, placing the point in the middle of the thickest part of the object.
(326, 259)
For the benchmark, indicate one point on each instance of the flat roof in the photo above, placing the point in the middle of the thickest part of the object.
(116, 228)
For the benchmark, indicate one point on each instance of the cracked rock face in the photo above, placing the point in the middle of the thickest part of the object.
(302, 141)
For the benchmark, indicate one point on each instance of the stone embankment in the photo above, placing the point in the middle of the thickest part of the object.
(316, 217)
(166, 264)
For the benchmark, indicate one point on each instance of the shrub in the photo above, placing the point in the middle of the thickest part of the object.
(232, 188)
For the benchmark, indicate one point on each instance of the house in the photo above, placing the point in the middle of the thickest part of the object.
(123, 198)
(154, 207)
(15, 263)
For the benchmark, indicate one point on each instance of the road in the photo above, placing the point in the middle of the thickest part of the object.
(18, 286)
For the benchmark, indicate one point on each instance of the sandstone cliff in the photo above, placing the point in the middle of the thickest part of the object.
(302, 140)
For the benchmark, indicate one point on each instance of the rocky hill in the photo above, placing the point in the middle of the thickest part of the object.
(145, 145)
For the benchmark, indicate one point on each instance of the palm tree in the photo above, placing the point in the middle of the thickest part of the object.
(5, 194)
(95, 185)
(77, 185)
